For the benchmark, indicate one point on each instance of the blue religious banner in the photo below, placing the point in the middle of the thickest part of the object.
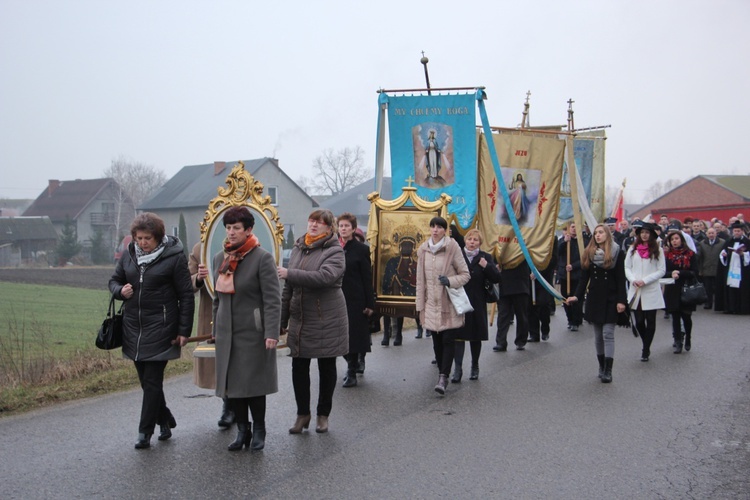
(589, 156)
(433, 141)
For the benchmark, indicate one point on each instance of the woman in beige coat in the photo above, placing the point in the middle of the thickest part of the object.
(246, 313)
(314, 309)
(440, 264)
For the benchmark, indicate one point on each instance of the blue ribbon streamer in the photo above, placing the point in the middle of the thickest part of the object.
(480, 96)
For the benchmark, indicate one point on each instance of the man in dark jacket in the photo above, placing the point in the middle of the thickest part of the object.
(569, 272)
(708, 257)
(514, 300)
(539, 310)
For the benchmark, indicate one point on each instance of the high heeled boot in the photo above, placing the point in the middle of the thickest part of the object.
(302, 422)
(677, 342)
(244, 435)
(259, 437)
(600, 358)
(607, 377)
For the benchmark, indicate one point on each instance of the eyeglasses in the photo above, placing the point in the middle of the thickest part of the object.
(310, 222)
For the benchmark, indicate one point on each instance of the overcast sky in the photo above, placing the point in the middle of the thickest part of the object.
(175, 83)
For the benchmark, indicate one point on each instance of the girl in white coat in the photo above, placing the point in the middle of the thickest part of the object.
(644, 266)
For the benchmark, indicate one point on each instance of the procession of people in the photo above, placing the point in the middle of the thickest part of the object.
(324, 301)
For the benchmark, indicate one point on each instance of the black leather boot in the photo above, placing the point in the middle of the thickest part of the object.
(227, 416)
(259, 438)
(398, 339)
(687, 341)
(386, 338)
(164, 432)
(677, 342)
(361, 363)
(474, 372)
(143, 442)
(458, 372)
(600, 357)
(244, 435)
(607, 377)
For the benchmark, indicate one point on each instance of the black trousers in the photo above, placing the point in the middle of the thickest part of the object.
(301, 383)
(539, 318)
(257, 405)
(508, 306)
(444, 345)
(574, 312)
(153, 407)
(709, 283)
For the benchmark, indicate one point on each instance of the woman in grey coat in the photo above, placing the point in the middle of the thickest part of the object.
(246, 312)
(314, 310)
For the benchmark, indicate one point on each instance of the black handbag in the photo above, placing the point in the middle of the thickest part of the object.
(491, 292)
(110, 333)
(693, 293)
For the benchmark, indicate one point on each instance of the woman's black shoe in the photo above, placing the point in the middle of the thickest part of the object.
(243, 437)
(474, 373)
(259, 438)
(165, 433)
(144, 441)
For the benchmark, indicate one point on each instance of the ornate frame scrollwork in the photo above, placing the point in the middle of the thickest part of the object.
(393, 222)
(242, 190)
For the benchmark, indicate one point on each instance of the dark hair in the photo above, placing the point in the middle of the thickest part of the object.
(239, 214)
(653, 243)
(148, 223)
(439, 221)
(348, 217)
(322, 215)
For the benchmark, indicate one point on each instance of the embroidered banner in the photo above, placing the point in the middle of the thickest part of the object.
(589, 155)
(531, 167)
(433, 141)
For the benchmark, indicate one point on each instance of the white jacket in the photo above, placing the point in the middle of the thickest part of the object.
(650, 271)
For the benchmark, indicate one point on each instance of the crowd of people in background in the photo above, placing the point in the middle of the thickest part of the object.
(628, 271)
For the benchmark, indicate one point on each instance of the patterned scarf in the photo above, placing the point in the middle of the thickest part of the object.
(679, 257)
(145, 258)
(232, 257)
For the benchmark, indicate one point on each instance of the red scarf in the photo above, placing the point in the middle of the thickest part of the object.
(679, 257)
(232, 257)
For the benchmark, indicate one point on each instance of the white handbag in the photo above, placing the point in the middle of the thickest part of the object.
(460, 300)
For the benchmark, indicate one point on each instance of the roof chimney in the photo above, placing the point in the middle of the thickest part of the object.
(53, 184)
(219, 167)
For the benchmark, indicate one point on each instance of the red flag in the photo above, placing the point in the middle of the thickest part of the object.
(617, 210)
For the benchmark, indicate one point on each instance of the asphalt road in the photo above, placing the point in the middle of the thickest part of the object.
(537, 424)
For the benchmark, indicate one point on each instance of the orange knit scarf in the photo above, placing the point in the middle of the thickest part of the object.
(225, 280)
(309, 240)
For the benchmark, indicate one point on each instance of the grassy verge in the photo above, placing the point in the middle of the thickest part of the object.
(47, 352)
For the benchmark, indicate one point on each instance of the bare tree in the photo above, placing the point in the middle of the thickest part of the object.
(660, 188)
(337, 171)
(137, 180)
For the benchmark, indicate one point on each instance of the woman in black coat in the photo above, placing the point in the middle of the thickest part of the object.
(481, 268)
(603, 274)
(153, 279)
(360, 299)
(682, 265)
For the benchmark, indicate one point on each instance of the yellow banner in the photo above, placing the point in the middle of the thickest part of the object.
(531, 168)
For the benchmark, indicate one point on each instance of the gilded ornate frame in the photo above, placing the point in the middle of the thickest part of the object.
(242, 190)
(404, 212)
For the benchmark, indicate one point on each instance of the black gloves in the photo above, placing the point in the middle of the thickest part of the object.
(444, 280)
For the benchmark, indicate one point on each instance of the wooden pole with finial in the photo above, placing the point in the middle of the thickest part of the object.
(424, 62)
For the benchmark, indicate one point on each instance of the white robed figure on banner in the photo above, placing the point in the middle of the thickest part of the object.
(434, 160)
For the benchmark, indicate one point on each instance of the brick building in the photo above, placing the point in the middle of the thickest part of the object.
(703, 197)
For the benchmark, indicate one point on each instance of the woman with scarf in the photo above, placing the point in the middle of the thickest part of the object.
(644, 267)
(152, 278)
(246, 326)
(440, 264)
(682, 265)
(360, 299)
(603, 274)
(314, 313)
(482, 269)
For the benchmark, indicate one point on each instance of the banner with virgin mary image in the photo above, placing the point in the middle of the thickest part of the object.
(433, 144)
(589, 155)
(531, 169)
